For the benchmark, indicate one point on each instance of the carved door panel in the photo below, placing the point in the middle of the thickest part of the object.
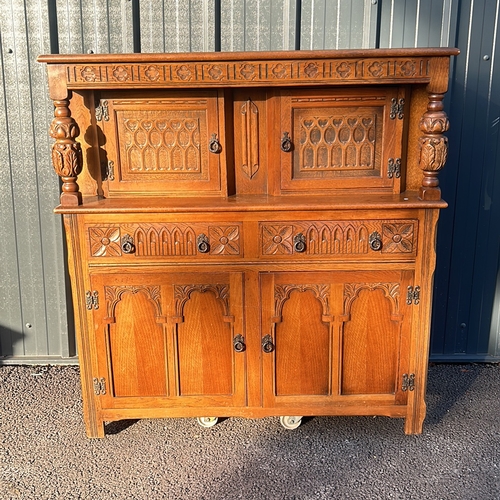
(170, 340)
(161, 143)
(341, 140)
(333, 336)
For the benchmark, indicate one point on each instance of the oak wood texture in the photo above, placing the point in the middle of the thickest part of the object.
(251, 234)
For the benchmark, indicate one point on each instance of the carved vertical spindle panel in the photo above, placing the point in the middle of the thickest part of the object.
(250, 134)
(433, 146)
(66, 152)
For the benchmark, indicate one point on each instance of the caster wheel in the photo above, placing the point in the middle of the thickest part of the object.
(207, 421)
(290, 422)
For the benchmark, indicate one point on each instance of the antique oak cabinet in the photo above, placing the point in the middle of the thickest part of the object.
(251, 234)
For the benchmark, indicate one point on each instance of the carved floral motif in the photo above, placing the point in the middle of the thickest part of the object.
(152, 73)
(277, 239)
(224, 240)
(311, 69)
(215, 72)
(397, 238)
(247, 71)
(121, 73)
(344, 70)
(105, 241)
(184, 72)
(88, 74)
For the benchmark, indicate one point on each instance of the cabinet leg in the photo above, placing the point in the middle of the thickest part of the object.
(94, 428)
(414, 421)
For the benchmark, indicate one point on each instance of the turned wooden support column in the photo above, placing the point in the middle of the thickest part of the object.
(66, 152)
(433, 146)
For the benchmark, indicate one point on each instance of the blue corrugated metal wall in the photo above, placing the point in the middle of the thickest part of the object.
(34, 317)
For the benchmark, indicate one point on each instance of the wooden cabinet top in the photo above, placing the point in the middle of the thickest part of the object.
(287, 68)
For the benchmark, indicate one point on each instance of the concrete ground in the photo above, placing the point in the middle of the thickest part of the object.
(44, 453)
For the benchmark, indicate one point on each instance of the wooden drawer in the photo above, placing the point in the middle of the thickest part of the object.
(164, 241)
(370, 239)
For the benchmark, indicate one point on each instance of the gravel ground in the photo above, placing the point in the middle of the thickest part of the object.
(44, 453)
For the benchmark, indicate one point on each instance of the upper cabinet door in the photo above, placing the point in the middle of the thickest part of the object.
(341, 139)
(160, 143)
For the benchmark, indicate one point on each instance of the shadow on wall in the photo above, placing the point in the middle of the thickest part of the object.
(8, 339)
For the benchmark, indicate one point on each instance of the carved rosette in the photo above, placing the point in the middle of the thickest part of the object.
(433, 146)
(66, 152)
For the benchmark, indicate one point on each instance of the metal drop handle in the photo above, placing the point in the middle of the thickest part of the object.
(214, 145)
(128, 245)
(202, 243)
(286, 143)
(299, 243)
(375, 241)
(239, 343)
(267, 344)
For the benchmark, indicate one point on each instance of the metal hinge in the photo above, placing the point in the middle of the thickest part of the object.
(408, 382)
(110, 174)
(394, 168)
(101, 111)
(92, 299)
(397, 109)
(413, 296)
(99, 386)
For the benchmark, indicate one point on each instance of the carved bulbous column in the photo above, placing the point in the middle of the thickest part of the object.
(433, 146)
(66, 152)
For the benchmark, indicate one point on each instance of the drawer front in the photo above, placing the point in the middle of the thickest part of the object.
(166, 241)
(359, 238)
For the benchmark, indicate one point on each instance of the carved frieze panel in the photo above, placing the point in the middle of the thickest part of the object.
(227, 72)
(163, 240)
(330, 237)
(338, 237)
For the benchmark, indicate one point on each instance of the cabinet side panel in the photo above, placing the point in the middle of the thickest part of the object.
(370, 346)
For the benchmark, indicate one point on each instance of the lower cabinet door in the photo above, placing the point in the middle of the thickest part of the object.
(335, 338)
(169, 339)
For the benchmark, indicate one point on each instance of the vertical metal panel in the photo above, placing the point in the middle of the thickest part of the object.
(177, 25)
(337, 24)
(257, 25)
(40, 327)
(416, 23)
(98, 26)
(465, 326)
